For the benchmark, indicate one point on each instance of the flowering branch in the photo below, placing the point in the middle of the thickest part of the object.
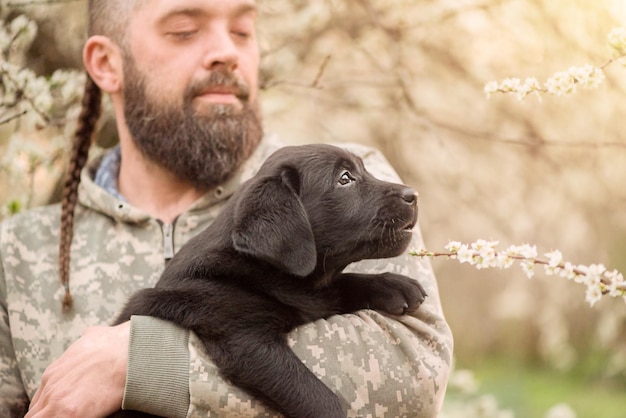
(31, 103)
(20, 92)
(483, 254)
(8, 119)
(563, 82)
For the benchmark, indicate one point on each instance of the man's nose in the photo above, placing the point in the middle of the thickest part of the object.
(221, 50)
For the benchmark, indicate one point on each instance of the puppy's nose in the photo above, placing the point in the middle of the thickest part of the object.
(409, 195)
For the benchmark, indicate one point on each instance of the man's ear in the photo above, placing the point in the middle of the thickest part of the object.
(270, 223)
(103, 61)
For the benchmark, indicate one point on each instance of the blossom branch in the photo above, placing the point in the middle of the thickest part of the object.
(483, 254)
(20, 92)
(13, 117)
(563, 82)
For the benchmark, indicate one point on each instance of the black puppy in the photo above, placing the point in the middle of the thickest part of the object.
(273, 260)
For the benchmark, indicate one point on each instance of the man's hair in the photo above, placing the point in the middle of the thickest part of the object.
(107, 18)
(110, 17)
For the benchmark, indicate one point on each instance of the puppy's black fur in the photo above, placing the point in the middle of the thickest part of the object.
(273, 260)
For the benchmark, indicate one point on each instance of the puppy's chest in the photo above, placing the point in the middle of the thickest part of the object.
(307, 303)
(268, 292)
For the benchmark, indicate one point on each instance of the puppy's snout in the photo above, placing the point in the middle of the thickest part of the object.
(409, 195)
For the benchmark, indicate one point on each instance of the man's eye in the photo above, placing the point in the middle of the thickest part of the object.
(241, 34)
(183, 35)
(346, 178)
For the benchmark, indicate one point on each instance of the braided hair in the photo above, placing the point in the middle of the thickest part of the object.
(91, 109)
(108, 18)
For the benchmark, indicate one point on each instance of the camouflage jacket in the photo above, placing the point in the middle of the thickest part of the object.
(379, 366)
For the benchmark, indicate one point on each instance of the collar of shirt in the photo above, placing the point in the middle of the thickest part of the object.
(99, 185)
(108, 171)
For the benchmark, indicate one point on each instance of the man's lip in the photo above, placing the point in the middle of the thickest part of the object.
(220, 90)
(219, 96)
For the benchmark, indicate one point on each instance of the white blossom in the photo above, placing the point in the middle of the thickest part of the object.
(561, 83)
(505, 259)
(491, 88)
(525, 251)
(69, 84)
(19, 24)
(20, 34)
(617, 40)
(453, 246)
(528, 267)
(568, 271)
(5, 38)
(531, 85)
(465, 254)
(617, 285)
(594, 274)
(555, 259)
(593, 295)
(483, 254)
(581, 273)
(510, 85)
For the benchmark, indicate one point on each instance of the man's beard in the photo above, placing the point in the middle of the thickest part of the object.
(204, 148)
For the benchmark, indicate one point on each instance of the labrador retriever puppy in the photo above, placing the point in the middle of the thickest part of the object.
(273, 260)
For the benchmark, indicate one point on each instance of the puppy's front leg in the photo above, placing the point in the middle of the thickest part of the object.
(388, 292)
(265, 366)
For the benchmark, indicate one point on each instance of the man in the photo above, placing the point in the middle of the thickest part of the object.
(182, 77)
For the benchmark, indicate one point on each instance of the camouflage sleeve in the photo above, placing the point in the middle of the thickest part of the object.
(13, 398)
(157, 348)
(378, 365)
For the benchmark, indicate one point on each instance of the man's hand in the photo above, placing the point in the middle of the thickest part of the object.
(88, 379)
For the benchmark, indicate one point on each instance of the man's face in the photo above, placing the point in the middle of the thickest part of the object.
(191, 84)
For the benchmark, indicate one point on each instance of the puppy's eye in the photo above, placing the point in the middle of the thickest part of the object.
(346, 178)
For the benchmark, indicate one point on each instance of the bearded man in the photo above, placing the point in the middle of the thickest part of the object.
(183, 81)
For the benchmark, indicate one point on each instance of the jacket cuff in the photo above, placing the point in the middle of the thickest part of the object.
(157, 378)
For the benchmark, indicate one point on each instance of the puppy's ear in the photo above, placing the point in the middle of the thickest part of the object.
(271, 223)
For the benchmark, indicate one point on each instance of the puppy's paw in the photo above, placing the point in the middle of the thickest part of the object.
(396, 294)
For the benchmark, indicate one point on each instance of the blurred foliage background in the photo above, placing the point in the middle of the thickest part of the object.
(407, 77)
